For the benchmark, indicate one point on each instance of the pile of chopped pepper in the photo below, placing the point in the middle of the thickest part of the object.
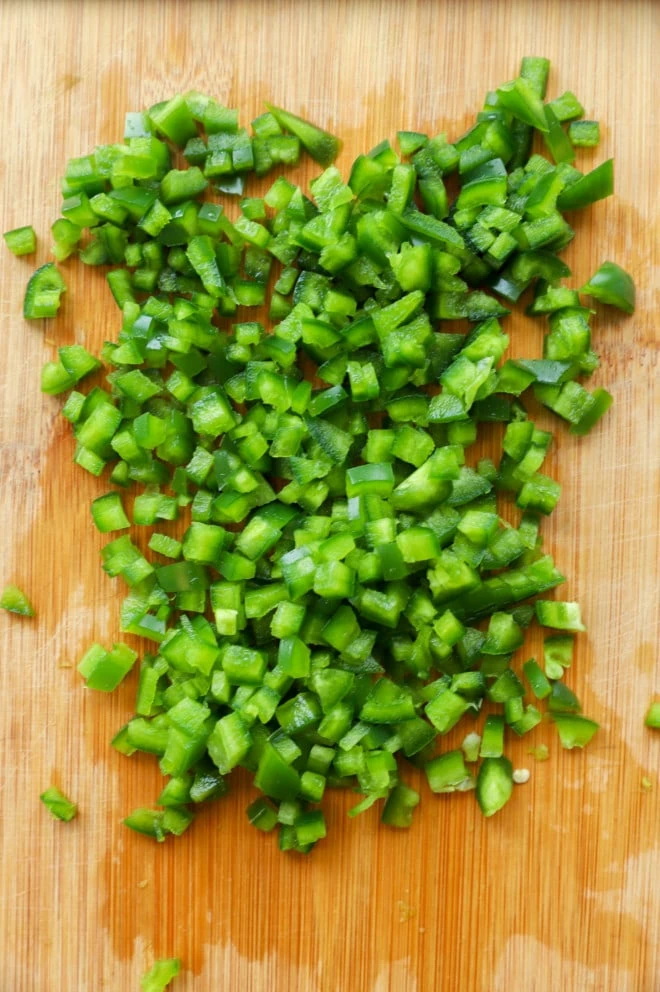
(345, 591)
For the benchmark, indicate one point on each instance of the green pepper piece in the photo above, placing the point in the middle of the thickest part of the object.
(595, 185)
(321, 145)
(563, 700)
(58, 804)
(574, 730)
(262, 815)
(229, 742)
(275, 777)
(173, 119)
(399, 807)
(492, 740)
(21, 241)
(447, 773)
(602, 401)
(520, 98)
(104, 670)
(108, 513)
(484, 185)
(14, 600)
(201, 255)
(160, 975)
(536, 69)
(534, 674)
(612, 284)
(411, 141)
(584, 134)
(494, 784)
(556, 139)
(652, 718)
(146, 821)
(561, 616)
(566, 107)
(43, 292)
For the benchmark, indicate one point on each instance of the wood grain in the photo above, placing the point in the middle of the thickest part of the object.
(560, 891)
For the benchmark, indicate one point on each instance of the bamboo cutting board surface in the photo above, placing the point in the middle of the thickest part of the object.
(558, 892)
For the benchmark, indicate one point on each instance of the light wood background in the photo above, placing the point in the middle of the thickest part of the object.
(561, 890)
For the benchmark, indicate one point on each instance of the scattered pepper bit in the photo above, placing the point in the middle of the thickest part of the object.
(160, 975)
(652, 718)
(21, 241)
(14, 600)
(58, 804)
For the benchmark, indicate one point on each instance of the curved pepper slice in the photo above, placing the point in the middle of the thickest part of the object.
(321, 145)
(596, 185)
(43, 292)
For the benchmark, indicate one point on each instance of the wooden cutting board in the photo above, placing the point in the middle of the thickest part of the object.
(558, 892)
